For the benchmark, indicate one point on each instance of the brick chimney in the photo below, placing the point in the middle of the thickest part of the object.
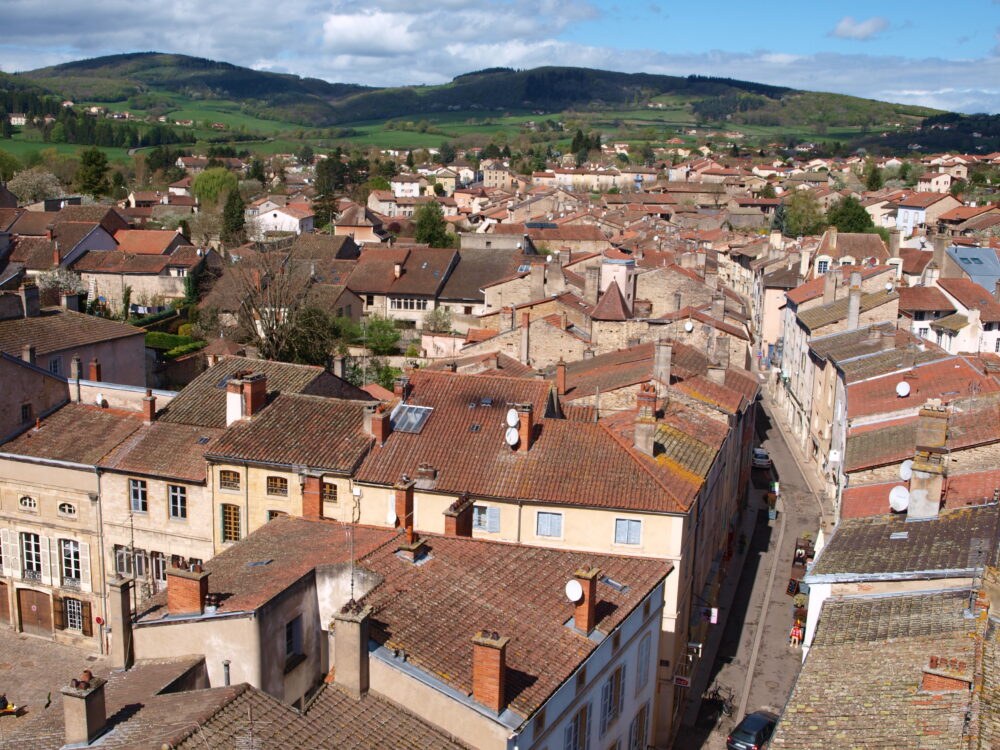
(585, 615)
(525, 353)
(591, 284)
(943, 675)
(644, 429)
(149, 407)
(245, 396)
(312, 496)
(186, 591)
(350, 648)
(561, 377)
(30, 303)
(381, 425)
(84, 712)
(458, 517)
(525, 426)
(489, 670)
(663, 354)
(120, 619)
(404, 503)
(95, 370)
(401, 387)
(28, 353)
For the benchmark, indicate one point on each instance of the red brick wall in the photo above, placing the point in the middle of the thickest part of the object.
(488, 673)
(186, 596)
(937, 682)
(312, 500)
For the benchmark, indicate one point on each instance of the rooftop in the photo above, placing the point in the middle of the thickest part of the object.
(57, 330)
(76, 433)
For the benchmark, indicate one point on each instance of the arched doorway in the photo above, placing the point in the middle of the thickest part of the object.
(35, 609)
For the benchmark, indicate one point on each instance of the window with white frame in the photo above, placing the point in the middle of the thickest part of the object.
(27, 503)
(31, 555)
(638, 730)
(123, 560)
(139, 563)
(642, 665)
(138, 495)
(628, 531)
(612, 698)
(158, 566)
(55, 365)
(177, 497)
(69, 553)
(576, 735)
(548, 524)
(74, 613)
(822, 266)
(407, 303)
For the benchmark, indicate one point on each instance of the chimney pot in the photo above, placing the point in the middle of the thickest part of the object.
(84, 711)
(585, 615)
(186, 591)
(525, 426)
(95, 370)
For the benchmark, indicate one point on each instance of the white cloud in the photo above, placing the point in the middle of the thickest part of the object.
(848, 28)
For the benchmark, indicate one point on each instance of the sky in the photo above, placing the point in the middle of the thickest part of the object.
(944, 55)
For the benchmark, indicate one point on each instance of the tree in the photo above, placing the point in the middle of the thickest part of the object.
(63, 280)
(331, 175)
(438, 320)
(768, 191)
(319, 334)
(233, 218)
(305, 154)
(446, 154)
(9, 164)
(92, 174)
(803, 214)
(257, 172)
(379, 335)
(430, 225)
(209, 186)
(850, 216)
(35, 184)
(873, 176)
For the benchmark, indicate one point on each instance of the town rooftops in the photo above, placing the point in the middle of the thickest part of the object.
(923, 299)
(974, 297)
(888, 547)
(814, 287)
(959, 490)
(147, 241)
(75, 433)
(56, 330)
(922, 200)
(824, 315)
(164, 449)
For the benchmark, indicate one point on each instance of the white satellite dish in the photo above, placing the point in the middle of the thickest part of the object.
(512, 418)
(391, 517)
(574, 591)
(511, 436)
(902, 389)
(888, 286)
(100, 399)
(689, 326)
(899, 498)
(906, 469)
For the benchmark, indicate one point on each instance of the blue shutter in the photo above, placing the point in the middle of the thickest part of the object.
(634, 531)
(621, 692)
(493, 519)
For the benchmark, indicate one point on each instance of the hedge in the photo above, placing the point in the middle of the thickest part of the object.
(180, 351)
(154, 318)
(160, 340)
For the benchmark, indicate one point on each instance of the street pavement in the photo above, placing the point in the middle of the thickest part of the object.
(754, 659)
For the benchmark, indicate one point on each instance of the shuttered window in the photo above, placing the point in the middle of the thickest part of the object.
(69, 553)
(548, 524)
(31, 556)
(628, 531)
(638, 729)
(612, 698)
(576, 736)
(642, 666)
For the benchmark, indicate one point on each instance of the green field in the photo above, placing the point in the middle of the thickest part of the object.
(21, 148)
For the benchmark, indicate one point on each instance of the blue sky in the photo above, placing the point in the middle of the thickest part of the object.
(944, 55)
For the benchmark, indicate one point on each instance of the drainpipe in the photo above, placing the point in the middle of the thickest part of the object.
(225, 672)
(100, 545)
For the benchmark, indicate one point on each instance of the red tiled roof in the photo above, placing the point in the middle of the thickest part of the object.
(146, 241)
(914, 259)
(814, 288)
(612, 305)
(76, 433)
(164, 449)
(973, 296)
(923, 298)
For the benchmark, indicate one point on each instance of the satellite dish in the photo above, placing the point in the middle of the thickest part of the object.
(902, 389)
(906, 469)
(689, 326)
(899, 498)
(512, 418)
(511, 436)
(574, 591)
(888, 286)
(100, 399)
(391, 517)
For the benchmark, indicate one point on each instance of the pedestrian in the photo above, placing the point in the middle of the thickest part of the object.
(795, 637)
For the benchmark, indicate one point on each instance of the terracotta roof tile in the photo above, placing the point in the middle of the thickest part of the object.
(76, 433)
(164, 449)
(58, 330)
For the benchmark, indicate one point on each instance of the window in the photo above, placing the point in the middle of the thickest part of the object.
(69, 553)
(642, 667)
(74, 613)
(485, 518)
(178, 502)
(277, 486)
(612, 698)
(158, 565)
(628, 531)
(328, 491)
(272, 514)
(548, 524)
(919, 315)
(638, 730)
(55, 365)
(230, 522)
(407, 303)
(25, 413)
(137, 494)
(369, 299)
(31, 555)
(293, 644)
(123, 560)
(576, 736)
(822, 266)
(139, 563)
(28, 503)
(67, 509)
(229, 480)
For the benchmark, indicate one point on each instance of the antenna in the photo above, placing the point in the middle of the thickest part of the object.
(899, 498)
(511, 436)
(512, 419)
(902, 389)
(906, 469)
(689, 326)
(574, 591)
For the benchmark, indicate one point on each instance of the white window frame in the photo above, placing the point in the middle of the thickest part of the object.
(177, 502)
(543, 524)
(138, 495)
(69, 561)
(73, 611)
(31, 554)
(158, 567)
(632, 531)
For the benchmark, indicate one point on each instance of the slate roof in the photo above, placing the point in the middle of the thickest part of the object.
(955, 543)
(164, 449)
(57, 330)
(76, 433)
(860, 685)
(203, 400)
(295, 429)
(823, 315)
(979, 263)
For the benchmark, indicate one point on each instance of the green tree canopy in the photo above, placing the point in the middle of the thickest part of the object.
(850, 216)
(804, 214)
(430, 225)
(257, 172)
(305, 154)
(233, 218)
(768, 191)
(92, 174)
(35, 184)
(212, 184)
(379, 335)
(873, 176)
(446, 154)
(9, 164)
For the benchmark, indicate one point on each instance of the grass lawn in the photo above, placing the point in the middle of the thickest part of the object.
(21, 148)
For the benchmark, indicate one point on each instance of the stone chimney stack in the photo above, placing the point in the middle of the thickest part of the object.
(585, 614)
(506, 319)
(350, 648)
(525, 352)
(591, 285)
(831, 239)
(30, 302)
(644, 430)
(186, 591)
(830, 282)
(338, 366)
(719, 307)
(926, 485)
(84, 712)
(853, 307)
(894, 242)
(489, 670)
(525, 426)
(120, 619)
(663, 353)
(537, 281)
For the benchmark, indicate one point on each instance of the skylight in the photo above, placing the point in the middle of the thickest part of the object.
(409, 418)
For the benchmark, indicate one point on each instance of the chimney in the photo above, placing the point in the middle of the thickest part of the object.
(84, 711)
(56, 257)
(775, 239)
(489, 670)
(254, 390)
(699, 258)
(120, 619)
(585, 615)
(932, 427)
(401, 387)
(28, 353)
(367, 415)
(831, 239)
(561, 378)
(350, 648)
(644, 430)
(663, 352)
(70, 301)
(591, 285)
(506, 319)
(537, 281)
(381, 426)
(894, 242)
(719, 307)
(525, 426)
(717, 373)
(186, 591)
(75, 367)
(830, 281)
(149, 407)
(853, 307)
(926, 484)
(874, 333)
(712, 279)
(95, 370)
(312, 496)
(338, 366)
(588, 353)
(30, 303)
(458, 517)
(940, 243)
(404, 503)
(943, 675)
(525, 339)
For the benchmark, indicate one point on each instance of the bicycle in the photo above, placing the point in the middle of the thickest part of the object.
(723, 697)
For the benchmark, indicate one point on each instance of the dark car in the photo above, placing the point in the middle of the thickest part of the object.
(753, 732)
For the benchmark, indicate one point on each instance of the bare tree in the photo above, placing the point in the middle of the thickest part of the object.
(272, 294)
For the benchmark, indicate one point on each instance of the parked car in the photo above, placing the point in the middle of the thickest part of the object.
(753, 732)
(760, 459)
